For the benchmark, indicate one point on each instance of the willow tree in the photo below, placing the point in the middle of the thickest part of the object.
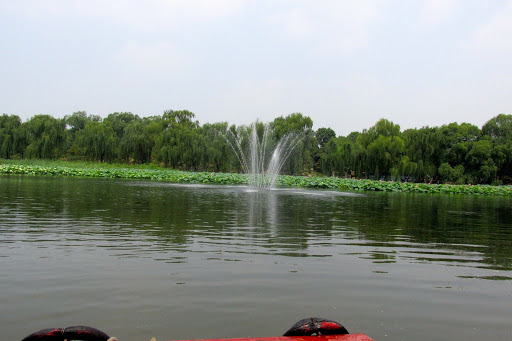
(98, 141)
(75, 124)
(382, 147)
(423, 147)
(10, 139)
(44, 136)
(179, 144)
(138, 140)
(479, 162)
(499, 130)
(216, 152)
(119, 121)
(302, 159)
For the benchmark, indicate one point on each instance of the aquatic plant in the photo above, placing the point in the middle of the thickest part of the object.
(92, 170)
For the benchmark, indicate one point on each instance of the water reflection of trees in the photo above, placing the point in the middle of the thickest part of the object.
(275, 222)
(464, 223)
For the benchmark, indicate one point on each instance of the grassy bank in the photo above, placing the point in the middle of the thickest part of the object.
(152, 172)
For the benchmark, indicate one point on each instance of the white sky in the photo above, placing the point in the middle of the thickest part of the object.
(346, 64)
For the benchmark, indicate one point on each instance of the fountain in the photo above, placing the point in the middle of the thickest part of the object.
(263, 158)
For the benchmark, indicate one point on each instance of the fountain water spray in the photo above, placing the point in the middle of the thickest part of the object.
(260, 162)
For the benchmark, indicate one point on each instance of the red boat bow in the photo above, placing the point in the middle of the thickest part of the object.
(344, 337)
(322, 329)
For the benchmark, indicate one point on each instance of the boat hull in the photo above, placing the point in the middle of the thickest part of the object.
(344, 337)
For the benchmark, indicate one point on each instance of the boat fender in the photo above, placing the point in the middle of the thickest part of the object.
(83, 333)
(315, 326)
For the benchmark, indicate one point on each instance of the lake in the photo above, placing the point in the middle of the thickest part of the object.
(172, 261)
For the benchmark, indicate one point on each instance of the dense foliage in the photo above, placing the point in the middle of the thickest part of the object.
(453, 153)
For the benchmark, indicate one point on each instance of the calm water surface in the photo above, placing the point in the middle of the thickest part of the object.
(144, 259)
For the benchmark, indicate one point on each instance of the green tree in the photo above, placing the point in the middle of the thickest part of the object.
(216, 150)
(448, 173)
(179, 144)
(98, 141)
(302, 159)
(324, 135)
(456, 141)
(119, 121)
(323, 161)
(137, 142)
(10, 139)
(480, 163)
(77, 120)
(385, 152)
(75, 123)
(44, 136)
(380, 148)
(423, 148)
(499, 127)
(499, 130)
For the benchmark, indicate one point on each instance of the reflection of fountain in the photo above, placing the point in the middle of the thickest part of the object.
(260, 162)
(263, 209)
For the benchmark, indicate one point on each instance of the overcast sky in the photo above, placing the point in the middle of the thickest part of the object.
(345, 64)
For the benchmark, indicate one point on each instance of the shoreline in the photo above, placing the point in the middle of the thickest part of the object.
(156, 173)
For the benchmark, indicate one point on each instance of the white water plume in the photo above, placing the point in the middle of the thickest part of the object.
(260, 162)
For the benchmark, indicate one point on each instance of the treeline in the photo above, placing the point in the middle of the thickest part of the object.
(456, 153)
